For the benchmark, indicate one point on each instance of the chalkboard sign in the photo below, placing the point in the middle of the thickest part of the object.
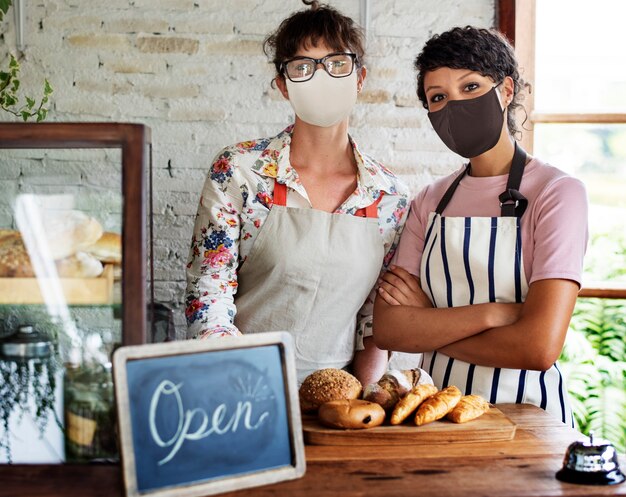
(202, 417)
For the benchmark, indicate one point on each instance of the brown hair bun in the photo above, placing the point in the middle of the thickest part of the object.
(314, 4)
(351, 414)
(325, 385)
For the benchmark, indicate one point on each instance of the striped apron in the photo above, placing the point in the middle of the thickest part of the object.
(472, 260)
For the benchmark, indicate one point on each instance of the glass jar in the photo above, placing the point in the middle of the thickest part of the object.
(90, 427)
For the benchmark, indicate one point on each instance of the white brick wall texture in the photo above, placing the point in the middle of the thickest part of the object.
(194, 71)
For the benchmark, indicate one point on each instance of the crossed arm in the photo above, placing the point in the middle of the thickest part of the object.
(520, 336)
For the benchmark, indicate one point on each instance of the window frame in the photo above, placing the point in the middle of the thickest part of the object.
(516, 20)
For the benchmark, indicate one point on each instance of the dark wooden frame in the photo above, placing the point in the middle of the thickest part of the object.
(506, 17)
(133, 140)
(183, 349)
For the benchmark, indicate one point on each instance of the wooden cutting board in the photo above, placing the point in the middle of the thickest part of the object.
(491, 426)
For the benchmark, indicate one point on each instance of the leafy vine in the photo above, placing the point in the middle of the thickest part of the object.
(10, 85)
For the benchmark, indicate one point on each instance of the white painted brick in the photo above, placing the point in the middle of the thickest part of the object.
(205, 24)
(132, 24)
(195, 73)
(8, 191)
(181, 183)
(133, 64)
(99, 41)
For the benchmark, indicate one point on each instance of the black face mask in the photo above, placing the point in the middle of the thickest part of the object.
(470, 127)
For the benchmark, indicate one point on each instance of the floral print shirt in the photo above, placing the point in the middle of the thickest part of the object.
(235, 202)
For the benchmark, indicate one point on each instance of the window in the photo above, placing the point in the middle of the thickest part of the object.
(570, 53)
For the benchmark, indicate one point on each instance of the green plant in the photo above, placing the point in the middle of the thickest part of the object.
(594, 356)
(21, 381)
(594, 359)
(10, 86)
(4, 6)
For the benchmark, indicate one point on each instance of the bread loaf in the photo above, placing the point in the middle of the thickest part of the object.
(108, 248)
(325, 385)
(393, 385)
(79, 265)
(351, 414)
(14, 260)
(69, 231)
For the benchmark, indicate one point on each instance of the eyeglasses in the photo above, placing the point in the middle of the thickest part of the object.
(337, 65)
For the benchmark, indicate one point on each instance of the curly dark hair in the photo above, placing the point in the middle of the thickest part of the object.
(307, 27)
(482, 50)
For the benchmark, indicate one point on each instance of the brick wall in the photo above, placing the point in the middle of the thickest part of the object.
(194, 71)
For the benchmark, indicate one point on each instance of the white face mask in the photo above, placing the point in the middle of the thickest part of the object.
(323, 100)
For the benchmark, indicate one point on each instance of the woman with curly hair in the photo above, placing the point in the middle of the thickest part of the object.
(292, 231)
(490, 262)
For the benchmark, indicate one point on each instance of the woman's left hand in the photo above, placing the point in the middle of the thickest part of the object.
(399, 287)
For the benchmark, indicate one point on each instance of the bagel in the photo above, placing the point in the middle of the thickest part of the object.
(351, 414)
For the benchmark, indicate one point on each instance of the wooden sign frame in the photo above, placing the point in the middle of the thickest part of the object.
(142, 355)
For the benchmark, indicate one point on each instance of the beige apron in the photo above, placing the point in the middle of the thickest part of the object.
(308, 273)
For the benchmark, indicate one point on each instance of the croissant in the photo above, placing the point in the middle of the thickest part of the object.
(469, 407)
(438, 405)
(407, 404)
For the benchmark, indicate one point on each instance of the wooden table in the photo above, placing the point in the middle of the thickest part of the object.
(524, 466)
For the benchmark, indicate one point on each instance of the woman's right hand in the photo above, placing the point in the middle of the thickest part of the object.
(399, 287)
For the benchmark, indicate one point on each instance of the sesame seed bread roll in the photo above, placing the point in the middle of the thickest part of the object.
(325, 385)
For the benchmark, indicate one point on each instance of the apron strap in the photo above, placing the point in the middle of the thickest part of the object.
(443, 203)
(512, 202)
(371, 210)
(280, 198)
(280, 194)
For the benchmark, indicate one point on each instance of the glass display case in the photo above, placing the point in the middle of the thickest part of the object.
(75, 282)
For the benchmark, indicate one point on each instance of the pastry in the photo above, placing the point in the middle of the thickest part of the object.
(325, 385)
(351, 414)
(407, 404)
(79, 265)
(69, 231)
(16, 263)
(469, 407)
(108, 248)
(438, 405)
(393, 385)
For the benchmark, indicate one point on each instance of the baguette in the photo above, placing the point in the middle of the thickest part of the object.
(438, 405)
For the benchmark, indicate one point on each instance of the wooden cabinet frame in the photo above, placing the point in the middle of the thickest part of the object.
(133, 140)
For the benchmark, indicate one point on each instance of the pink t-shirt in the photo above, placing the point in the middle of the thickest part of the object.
(554, 226)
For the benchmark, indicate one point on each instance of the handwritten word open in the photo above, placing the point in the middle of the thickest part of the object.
(209, 425)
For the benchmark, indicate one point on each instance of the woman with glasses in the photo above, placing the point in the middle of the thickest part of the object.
(292, 231)
(490, 262)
